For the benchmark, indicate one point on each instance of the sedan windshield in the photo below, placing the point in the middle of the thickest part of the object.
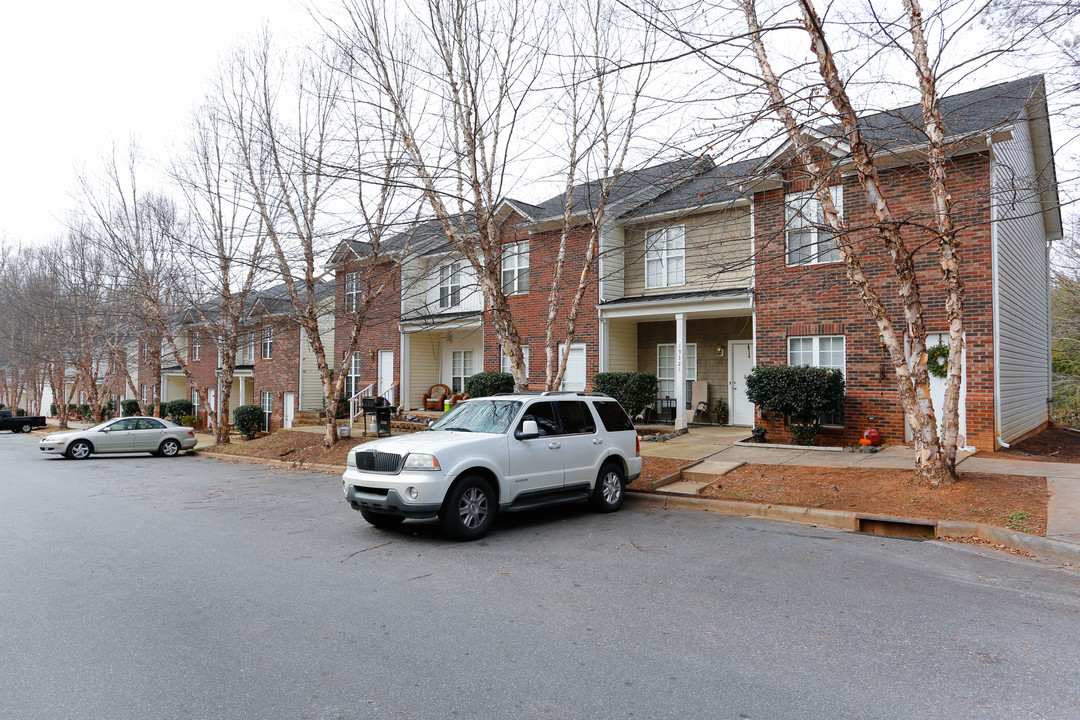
(482, 416)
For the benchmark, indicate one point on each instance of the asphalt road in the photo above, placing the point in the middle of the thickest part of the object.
(139, 587)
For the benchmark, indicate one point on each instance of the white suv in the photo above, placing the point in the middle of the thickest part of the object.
(497, 454)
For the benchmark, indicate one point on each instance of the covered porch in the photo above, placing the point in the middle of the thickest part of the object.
(700, 345)
(447, 353)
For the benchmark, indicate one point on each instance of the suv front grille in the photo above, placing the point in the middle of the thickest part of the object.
(380, 462)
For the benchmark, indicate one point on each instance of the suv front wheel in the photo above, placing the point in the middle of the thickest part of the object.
(469, 509)
(610, 489)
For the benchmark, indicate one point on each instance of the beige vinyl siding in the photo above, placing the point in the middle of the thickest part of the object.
(1022, 300)
(622, 346)
(176, 388)
(311, 390)
(612, 272)
(423, 365)
(717, 252)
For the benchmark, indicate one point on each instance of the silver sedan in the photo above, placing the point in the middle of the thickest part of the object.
(130, 434)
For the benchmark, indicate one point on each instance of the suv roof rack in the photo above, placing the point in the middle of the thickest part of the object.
(583, 393)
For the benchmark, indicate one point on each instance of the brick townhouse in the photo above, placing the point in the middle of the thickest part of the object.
(707, 270)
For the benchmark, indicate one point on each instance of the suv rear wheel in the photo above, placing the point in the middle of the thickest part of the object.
(469, 509)
(610, 489)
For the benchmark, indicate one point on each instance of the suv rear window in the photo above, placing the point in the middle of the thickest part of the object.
(576, 418)
(613, 416)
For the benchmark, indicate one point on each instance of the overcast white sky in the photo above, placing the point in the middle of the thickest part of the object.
(76, 76)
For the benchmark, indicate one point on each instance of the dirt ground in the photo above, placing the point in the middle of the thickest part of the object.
(1054, 444)
(292, 446)
(1009, 501)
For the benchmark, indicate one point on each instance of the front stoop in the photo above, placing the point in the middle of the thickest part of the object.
(696, 477)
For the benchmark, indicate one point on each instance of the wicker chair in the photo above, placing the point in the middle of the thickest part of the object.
(434, 397)
(458, 397)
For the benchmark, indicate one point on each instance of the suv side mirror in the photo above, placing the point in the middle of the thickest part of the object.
(528, 431)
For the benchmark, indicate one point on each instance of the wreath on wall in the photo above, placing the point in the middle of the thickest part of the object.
(937, 360)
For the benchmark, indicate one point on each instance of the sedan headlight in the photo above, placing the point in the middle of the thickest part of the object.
(421, 461)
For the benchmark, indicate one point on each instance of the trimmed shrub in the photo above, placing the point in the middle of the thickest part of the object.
(52, 410)
(129, 407)
(489, 383)
(634, 390)
(177, 409)
(801, 392)
(107, 409)
(83, 412)
(247, 419)
(150, 409)
(189, 421)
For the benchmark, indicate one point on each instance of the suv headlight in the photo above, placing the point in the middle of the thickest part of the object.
(420, 461)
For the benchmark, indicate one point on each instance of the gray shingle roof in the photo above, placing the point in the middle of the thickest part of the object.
(275, 299)
(716, 185)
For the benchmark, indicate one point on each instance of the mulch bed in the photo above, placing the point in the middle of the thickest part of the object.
(1011, 501)
(1054, 444)
(656, 468)
(291, 446)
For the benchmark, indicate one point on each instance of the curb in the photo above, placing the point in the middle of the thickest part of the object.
(1041, 547)
(287, 464)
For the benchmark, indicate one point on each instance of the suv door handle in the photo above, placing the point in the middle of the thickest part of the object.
(597, 441)
(554, 445)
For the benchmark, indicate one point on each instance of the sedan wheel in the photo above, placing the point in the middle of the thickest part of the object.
(169, 448)
(79, 450)
(469, 509)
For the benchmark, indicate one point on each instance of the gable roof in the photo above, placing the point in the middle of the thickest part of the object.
(717, 185)
(275, 300)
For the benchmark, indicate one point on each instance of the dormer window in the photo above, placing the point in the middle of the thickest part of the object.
(665, 257)
(809, 238)
(450, 285)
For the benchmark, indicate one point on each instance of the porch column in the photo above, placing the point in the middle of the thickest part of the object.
(680, 371)
(405, 361)
(242, 391)
(603, 346)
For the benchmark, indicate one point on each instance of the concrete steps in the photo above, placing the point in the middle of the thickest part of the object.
(693, 479)
(308, 419)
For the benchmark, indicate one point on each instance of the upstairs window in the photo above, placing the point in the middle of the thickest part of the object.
(248, 350)
(809, 239)
(352, 292)
(449, 285)
(268, 344)
(196, 345)
(665, 257)
(515, 268)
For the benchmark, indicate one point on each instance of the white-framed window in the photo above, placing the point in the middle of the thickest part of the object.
(574, 377)
(450, 285)
(248, 339)
(809, 239)
(352, 380)
(146, 353)
(268, 343)
(268, 408)
(665, 369)
(144, 394)
(196, 345)
(461, 368)
(515, 268)
(508, 367)
(826, 351)
(352, 291)
(665, 257)
(194, 401)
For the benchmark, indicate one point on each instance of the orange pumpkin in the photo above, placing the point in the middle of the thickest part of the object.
(865, 442)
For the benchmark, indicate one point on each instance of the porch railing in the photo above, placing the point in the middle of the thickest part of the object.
(369, 391)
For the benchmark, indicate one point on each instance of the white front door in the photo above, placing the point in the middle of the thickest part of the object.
(937, 390)
(740, 363)
(386, 375)
(289, 409)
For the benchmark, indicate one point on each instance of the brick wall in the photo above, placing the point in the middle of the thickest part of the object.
(818, 300)
(530, 310)
(281, 373)
(379, 328)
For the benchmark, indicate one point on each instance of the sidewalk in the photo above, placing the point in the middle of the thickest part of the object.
(716, 445)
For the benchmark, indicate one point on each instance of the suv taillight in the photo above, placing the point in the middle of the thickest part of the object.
(637, 445)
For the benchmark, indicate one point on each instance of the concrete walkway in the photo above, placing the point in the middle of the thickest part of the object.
(715, 447)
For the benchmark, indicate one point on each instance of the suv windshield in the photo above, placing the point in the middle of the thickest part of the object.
(482, 416)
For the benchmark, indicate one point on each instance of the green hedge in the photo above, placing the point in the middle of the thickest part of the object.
(247, 419)
(801, 392)
(634, 390)
(129, 407)
(177, 409)
(489, 383)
